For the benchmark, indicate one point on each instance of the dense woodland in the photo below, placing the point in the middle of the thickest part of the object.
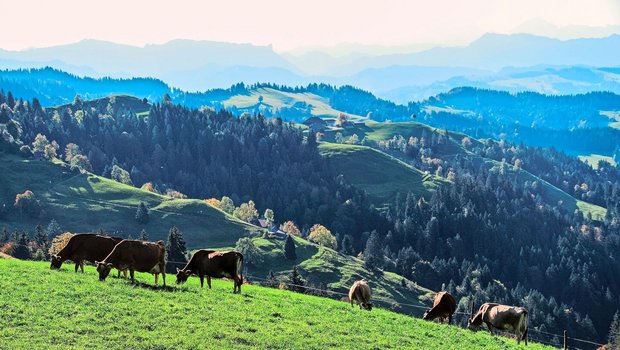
(484, 236)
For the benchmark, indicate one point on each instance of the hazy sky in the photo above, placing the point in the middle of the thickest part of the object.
(286, 24)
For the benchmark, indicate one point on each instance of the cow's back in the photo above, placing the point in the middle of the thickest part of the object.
(221, 263)
(88, 246)
(444, 303)
(360, 291)
(505, 316)
(143, 256)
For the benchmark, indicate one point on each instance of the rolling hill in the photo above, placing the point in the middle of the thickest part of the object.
(39, 306)
(86, 203)
(380, 175)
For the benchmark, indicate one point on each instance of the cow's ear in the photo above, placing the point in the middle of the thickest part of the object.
(109, 264)
(188, 272)
(96, 262)
(178, 270)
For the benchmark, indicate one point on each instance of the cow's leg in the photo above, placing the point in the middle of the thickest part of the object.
(77, 265)
(125, 273)
(524, 336)
(490, 327)
(450, 319)
(209, 281)
(156, 277)
(239, 283)
(202, 280)
(131, 273)
(82, 266)
(163, 274)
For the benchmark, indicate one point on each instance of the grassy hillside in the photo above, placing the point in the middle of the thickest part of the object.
(381, 175)
(46, 309)
(276, 99)
(86, 202)
(384, 131)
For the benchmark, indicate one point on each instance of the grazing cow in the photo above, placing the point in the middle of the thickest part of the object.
(85, 246)
(444, 306)
(503, 317)
(360, 294)
(214, 264)
(134, 255)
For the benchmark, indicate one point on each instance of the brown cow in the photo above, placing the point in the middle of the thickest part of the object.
(138, 256)
(360, 294)
(214, 264)
(85, 247)
(444, 307)
(503, 317)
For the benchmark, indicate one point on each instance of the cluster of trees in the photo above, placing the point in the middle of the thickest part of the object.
(26, 245)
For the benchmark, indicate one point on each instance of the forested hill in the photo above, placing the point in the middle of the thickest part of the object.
(486, 233)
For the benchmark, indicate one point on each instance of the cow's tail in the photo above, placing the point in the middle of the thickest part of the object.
(240, 269)
(523, 326)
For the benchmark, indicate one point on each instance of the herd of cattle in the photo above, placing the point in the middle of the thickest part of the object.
(133, 255)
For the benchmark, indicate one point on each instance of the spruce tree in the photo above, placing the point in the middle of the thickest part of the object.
(296, 281)
(373, 254)
(614, 332)
(142, 214)
(176, 249)
(40, 237)
(21, 250)
(53, 229)
(347, 245)
(289, 248)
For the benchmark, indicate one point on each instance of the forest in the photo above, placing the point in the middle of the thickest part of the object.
(484, 235)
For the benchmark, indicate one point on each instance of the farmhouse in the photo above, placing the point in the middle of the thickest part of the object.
(315, 124)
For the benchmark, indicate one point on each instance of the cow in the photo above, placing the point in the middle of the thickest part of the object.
(135, 255)
(85, 246)
(360, 294)
(444, 307)
(503, 317)
(216, 264)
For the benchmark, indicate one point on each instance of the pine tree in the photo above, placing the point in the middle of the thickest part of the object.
(5, 236)
(143, 235)
(142, 214)
(40, 237)
(347, 245)
(373, 254)
(614, 332)
(53, 229)
(296, 281)
(175, 248)
(21, 250)
(289, 248)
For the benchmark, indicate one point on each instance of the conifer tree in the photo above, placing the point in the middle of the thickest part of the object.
(175, 248)
(289, 248)
(142, 214)
(296, 281)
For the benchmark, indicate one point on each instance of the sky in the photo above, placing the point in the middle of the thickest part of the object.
(289, 24)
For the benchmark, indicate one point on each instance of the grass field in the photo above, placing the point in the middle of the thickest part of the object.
(593, 159)
(615, 118)
(44, 309)
(85, 203)
(379, 174)
(275, 99)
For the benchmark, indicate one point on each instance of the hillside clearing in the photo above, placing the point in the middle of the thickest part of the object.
(46, 309)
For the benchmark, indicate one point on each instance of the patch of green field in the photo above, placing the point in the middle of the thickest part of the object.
(593, 159)
(275, 99)
(86, 202)
(337, 272)
(375, 131)
(615, 116)
(379, 174)
(44, 309)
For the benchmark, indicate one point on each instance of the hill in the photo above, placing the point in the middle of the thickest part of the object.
(379, 174)
(114, 314)
(86, 203)
(119, 104)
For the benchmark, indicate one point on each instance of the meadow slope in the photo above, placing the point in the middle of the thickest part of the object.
(46, 309)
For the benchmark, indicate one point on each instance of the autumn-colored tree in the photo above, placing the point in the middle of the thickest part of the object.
(290, 228)
(319, 234)
(27, 202)
(227, 205)
(148, 186)
(81, 162)
(51, 150)
(341, 119)
(214, 202)
(39, 143)
(59, 242)
(246, 211)
(71, 150)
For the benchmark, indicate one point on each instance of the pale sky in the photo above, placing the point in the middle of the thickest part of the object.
(286, 24)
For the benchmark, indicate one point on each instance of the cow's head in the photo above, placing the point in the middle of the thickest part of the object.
(56, 262)
(474, 323)
(367, 306)
(104, 269)
(425, 316)
(182, 275)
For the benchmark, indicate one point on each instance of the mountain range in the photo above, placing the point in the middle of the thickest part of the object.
(515, 62)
